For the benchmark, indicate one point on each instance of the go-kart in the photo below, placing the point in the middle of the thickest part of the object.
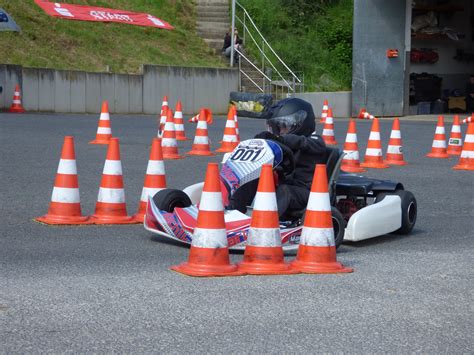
(362, 207)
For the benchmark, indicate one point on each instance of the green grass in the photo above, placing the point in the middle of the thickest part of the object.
(313, 37)
(51, 42)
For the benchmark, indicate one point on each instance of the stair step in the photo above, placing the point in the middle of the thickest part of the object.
(211, 35)
(212, 9)
(212, 2)
(213, 19)
(214, 43)
(215, 26)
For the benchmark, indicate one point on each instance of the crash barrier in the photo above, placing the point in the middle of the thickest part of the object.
(252, 105)
(50, 90)
(263, 255)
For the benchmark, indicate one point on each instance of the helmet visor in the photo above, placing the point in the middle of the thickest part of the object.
(286, 124)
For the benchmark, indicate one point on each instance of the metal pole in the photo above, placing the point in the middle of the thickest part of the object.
(232, 40)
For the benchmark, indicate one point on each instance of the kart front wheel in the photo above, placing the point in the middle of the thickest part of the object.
(409, 209)
(339, 225)
(168, 199)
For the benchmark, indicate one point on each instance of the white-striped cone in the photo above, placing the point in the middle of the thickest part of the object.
(110, 207)
(16, 106)
(438, 148)
(65, 206)
(104, 131)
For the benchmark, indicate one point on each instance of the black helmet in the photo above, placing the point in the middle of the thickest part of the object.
(292, 116)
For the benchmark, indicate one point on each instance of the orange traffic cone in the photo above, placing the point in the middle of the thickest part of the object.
(229, 141)
(164, 107)
(209, 254)
(207, 116)
(263, 251)
(468, 119)
(466, 160)
(361, 113)
(324, 114)
(65, 206)
(350, 162)
(111, 207)
(236, 119)
(201, 139)
(364, 115)
(455, 139)
(155, 178)
(328, 131)
(438, 148)
(395, 150)
(169, 144)
(317, 249)
(16, 106)
(178, 123)
(373, 153)
(104, 131)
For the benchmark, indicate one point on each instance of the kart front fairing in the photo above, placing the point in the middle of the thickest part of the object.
(240, 168)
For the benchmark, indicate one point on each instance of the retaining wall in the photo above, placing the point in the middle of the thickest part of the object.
(82, 92)
(339, 101)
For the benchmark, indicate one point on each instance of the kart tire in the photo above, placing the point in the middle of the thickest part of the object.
(409, 209)
(339, 226)
(168, 199)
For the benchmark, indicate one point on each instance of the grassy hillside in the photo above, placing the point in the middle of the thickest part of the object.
(56, 43)
(313, 37)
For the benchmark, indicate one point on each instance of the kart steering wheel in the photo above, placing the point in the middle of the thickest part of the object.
(288, 164)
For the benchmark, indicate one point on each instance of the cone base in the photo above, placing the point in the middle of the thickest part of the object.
(63, 220)
(454, 152)
(139, 217)
(320, 268)
(438, 155)
(253, 268)
(16, 110)
(375, 165)
(173, 157)
(225, 150)
(100, 141)
(98, 219)
(183, 139)
(198, 152)
(330, 142)
(197, 270)
(353, 169)
(463, 167)
(395, 162)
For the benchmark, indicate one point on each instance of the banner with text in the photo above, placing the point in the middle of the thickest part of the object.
(101, 14)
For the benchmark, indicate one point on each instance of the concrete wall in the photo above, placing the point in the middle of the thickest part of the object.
(82, 92)
(378, 82)
(340, 102)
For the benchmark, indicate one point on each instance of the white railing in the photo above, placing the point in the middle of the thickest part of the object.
(286, 80)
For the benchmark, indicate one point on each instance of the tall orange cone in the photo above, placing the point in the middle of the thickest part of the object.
(164, 107)
(178, 123)
(468, 119)
(155, 178)
(65, 206)
(110, 207)
(373, 153)
(324, 114)
(236, 119)
(455, 139)
(317, 249)
(438, 148)
(395, 150)
(16, 106)
(169, 144)
(263, 251)
(209, 254)
(350, 162)
(201, 139)
(466, 160)
(229, 140)
(104, 131)
(328, 131)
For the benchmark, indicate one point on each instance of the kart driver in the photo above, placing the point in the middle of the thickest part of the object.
(292, 123)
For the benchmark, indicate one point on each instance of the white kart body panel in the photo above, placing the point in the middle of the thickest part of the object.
(194, 192)
(375, 220)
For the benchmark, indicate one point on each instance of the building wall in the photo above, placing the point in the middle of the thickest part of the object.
(378, 82)
(82, 92)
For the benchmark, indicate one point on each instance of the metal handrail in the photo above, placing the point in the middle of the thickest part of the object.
(266, 42)
(253, 65)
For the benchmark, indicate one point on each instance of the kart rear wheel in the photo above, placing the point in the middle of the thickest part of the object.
(339, 225)
(168, 199)
(409, 209)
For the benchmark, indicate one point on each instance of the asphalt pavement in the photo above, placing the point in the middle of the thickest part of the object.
(108, 289)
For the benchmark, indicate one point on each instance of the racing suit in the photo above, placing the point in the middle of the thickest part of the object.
(293, 193)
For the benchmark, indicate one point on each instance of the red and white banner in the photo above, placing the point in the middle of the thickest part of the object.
(101, 14)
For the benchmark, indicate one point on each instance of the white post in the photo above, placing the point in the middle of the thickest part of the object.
(232, 35)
